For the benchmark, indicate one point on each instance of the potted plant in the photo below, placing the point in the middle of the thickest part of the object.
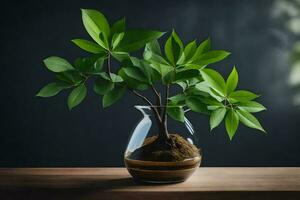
(156, 152)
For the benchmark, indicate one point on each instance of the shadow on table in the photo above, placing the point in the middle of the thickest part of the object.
(63, 182)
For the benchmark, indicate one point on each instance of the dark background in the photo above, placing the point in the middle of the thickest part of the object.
(42, 132)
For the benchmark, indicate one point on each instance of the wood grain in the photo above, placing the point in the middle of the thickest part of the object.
(115, 183)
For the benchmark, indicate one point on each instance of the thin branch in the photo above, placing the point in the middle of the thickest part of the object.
(155, 91)
(108, 65)
(148, 102)
(164, 114)
(142, 97)
(157, 95)
(165, 134)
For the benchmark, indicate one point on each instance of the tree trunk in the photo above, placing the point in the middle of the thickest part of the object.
(163, 133)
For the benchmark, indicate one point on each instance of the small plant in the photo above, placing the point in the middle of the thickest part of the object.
(203, 90)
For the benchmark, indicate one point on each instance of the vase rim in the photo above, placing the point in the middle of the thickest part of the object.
(148, 110)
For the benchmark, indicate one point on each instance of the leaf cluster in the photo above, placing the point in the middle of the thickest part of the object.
(203, 90)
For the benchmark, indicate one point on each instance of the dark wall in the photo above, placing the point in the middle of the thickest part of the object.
(42, 132)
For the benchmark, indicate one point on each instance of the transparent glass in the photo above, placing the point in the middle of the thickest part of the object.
(153, 156)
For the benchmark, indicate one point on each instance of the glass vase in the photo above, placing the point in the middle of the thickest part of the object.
(160, 152)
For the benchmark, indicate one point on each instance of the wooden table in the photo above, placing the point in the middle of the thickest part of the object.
(115, 183)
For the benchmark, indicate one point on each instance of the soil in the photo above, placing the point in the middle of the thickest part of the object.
(176, 148)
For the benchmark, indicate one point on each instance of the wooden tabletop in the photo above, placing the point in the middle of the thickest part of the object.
(116, 183)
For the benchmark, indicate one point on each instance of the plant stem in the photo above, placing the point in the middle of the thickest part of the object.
(157, 95)
(164, 114)
(142, 97)
(163, 133)
(158, 98)
(148, 102)
(108, 65)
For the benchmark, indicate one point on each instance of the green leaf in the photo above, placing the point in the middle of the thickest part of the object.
(231, 123)
(241, 96)
(135, 73)
(57, 64)
(103, 41)
(115, 78)
(52, 89)
(118, 26)
(136, 39)
(151, 74)
(202, 48)
(120, 56)
(117, 38)
(177, 46)
(193, 81)
(97, 66)
(205, 87)
(215, 80)
(183, 85)
(196, 105)
(103, 86)
(249, 120)
(188, 52)
(154, 58)
(76, 96)
(173, 48)
(176, 112)
(169, 77)
(251, 106)
(193, 91)
(214, 107)
(90, 65)
(216, 117)
(105, 76)
(71, 77)
(152, 53)
(163, 70)
(177, 98)
(210, 57)
(186, 74)
(157, 62)
(153, 47)
(177, 40)
(113, 96)
(232, 81)
(133, 61)
(169, 50)
(95, 23)
(88, 46)
(132, 83)
(210, 101)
